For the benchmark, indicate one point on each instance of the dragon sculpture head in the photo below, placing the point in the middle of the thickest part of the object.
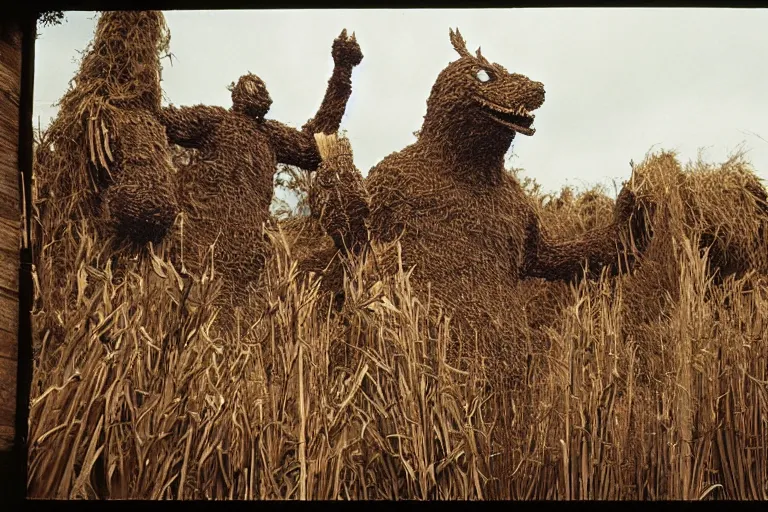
(478, 99)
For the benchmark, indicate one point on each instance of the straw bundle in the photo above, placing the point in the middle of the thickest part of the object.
(104, 154)
(722, 210)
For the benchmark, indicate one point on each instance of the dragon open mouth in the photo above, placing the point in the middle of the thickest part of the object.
(517, 119)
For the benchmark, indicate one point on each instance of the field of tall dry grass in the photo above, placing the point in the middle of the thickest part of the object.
(138, 392)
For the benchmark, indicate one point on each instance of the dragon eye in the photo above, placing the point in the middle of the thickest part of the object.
(483, 75)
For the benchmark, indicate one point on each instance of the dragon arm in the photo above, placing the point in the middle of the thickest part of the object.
(338, 199)
(189, 126)
(613, 247)
(559, 260)
(393, 208)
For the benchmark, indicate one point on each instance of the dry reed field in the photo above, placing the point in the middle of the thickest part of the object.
(655, 387)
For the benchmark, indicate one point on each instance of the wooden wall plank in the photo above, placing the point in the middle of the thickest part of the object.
(10, 225)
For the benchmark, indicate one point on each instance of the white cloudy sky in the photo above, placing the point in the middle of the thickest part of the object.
(618, 81)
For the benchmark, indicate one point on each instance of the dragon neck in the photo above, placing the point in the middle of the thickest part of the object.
(472, 149)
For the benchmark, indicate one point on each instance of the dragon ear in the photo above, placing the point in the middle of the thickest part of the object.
(480, 57)
(458, 43)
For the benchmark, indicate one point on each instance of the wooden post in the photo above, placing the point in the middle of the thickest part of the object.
(10, 225)
(17, 39)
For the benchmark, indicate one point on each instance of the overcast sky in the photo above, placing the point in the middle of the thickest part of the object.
(618, 81)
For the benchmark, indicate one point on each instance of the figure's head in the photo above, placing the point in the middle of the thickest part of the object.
(473, 92)
(250, 96)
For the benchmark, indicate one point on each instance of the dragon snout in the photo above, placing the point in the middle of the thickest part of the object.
(535, 98)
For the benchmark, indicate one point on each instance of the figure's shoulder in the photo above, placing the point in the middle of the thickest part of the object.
(200, 109)
(214, 109)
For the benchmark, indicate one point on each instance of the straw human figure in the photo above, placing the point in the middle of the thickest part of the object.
(226, 193)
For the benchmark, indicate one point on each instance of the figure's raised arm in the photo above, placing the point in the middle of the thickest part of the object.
(297, 147)
(346, 55)
(188, 126)
(614, 246)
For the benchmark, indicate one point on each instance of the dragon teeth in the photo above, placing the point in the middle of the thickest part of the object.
(520, 110)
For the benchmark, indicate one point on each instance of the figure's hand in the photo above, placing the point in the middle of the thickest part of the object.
(346, 51)
(631, 215)
(333, 150)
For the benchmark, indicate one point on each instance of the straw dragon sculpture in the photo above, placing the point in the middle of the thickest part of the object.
(461, 219)
(227, 192)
